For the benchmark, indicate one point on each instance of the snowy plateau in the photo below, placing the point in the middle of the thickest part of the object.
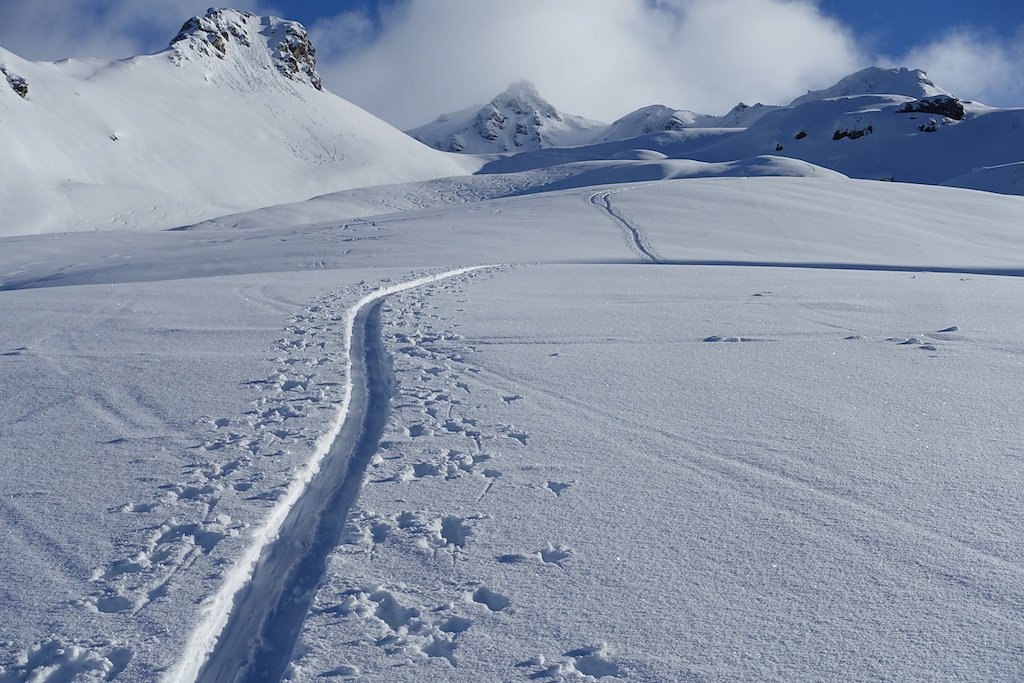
(288, 395)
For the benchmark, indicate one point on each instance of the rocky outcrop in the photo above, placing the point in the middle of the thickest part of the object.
(295, 56)
(211, 34)
(17, 83)
(943, 105)
(221, 31)
(853, 133)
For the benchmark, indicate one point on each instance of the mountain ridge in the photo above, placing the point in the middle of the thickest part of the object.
(229, 117)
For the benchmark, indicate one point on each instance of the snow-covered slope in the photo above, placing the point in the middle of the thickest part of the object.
(232, 116)
(518, 119)
(878, 81)
(594, 467)
(658, 118)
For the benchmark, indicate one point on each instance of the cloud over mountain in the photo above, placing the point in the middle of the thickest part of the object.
(602, 61)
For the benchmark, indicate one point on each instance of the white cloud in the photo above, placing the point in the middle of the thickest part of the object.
(974, 66)
(53, 29)
(597, 59)
(342, 35)
(600, 59)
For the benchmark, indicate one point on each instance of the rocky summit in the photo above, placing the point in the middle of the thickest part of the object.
(222, 31)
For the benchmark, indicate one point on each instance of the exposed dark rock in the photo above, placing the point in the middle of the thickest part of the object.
(929, 127)
(215, 30)
(778, 147)
(943, 105)
(853, 134)
(296, 56)
(17, 83)
(801, 135)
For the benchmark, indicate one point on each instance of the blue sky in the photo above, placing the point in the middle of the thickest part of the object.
(889, 25)
(410, 60)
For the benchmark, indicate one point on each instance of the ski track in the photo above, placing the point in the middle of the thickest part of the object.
(441, 439)
(603, 201)
(196, 659)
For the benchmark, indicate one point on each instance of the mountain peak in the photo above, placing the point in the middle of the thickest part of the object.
(222, 32)
(523, 98)
(518, 119)
(523, 88)
(877, 80)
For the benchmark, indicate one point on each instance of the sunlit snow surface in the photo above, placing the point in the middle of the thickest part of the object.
(738, 428)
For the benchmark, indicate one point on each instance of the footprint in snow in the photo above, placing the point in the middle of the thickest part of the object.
(557, 487)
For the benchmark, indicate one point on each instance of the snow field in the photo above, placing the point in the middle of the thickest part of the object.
(638, 463)
(579, 483)
(160, 426)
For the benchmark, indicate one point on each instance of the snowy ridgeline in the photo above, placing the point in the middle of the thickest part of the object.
(233, 116)
(230, 117)
(877, 124)
(702, 436)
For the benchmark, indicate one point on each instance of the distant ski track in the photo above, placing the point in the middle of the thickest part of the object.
(278, 573)
(868, 267)
(603, 201)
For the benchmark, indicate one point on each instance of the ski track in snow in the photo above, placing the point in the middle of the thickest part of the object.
(640, 243)
(437, 439)
(218, 609)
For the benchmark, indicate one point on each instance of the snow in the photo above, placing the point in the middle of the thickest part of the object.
(912, 83)
(518, 119)
(659, 118)
(176, 137)
(637, 503)
(218, 609)
(678, 406)
(636, 471)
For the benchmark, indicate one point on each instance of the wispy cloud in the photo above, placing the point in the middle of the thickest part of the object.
(53, 29)
(974, 65)
(414, 59)
(598, 60)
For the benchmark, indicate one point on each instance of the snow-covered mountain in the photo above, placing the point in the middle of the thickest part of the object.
(231, 116)
(878, 124)
(518, 119)
(658, 118)
(887, 124)
(877, 81)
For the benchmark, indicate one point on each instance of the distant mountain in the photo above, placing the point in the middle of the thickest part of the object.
(878, 123)
(886, 124)
(659, 118)
(518, 119)
(232, 116)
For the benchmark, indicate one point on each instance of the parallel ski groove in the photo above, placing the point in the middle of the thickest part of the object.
(196, 662)
(639, 239)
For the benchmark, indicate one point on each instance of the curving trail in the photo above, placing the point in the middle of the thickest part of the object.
(603, 201)
(251, 624)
